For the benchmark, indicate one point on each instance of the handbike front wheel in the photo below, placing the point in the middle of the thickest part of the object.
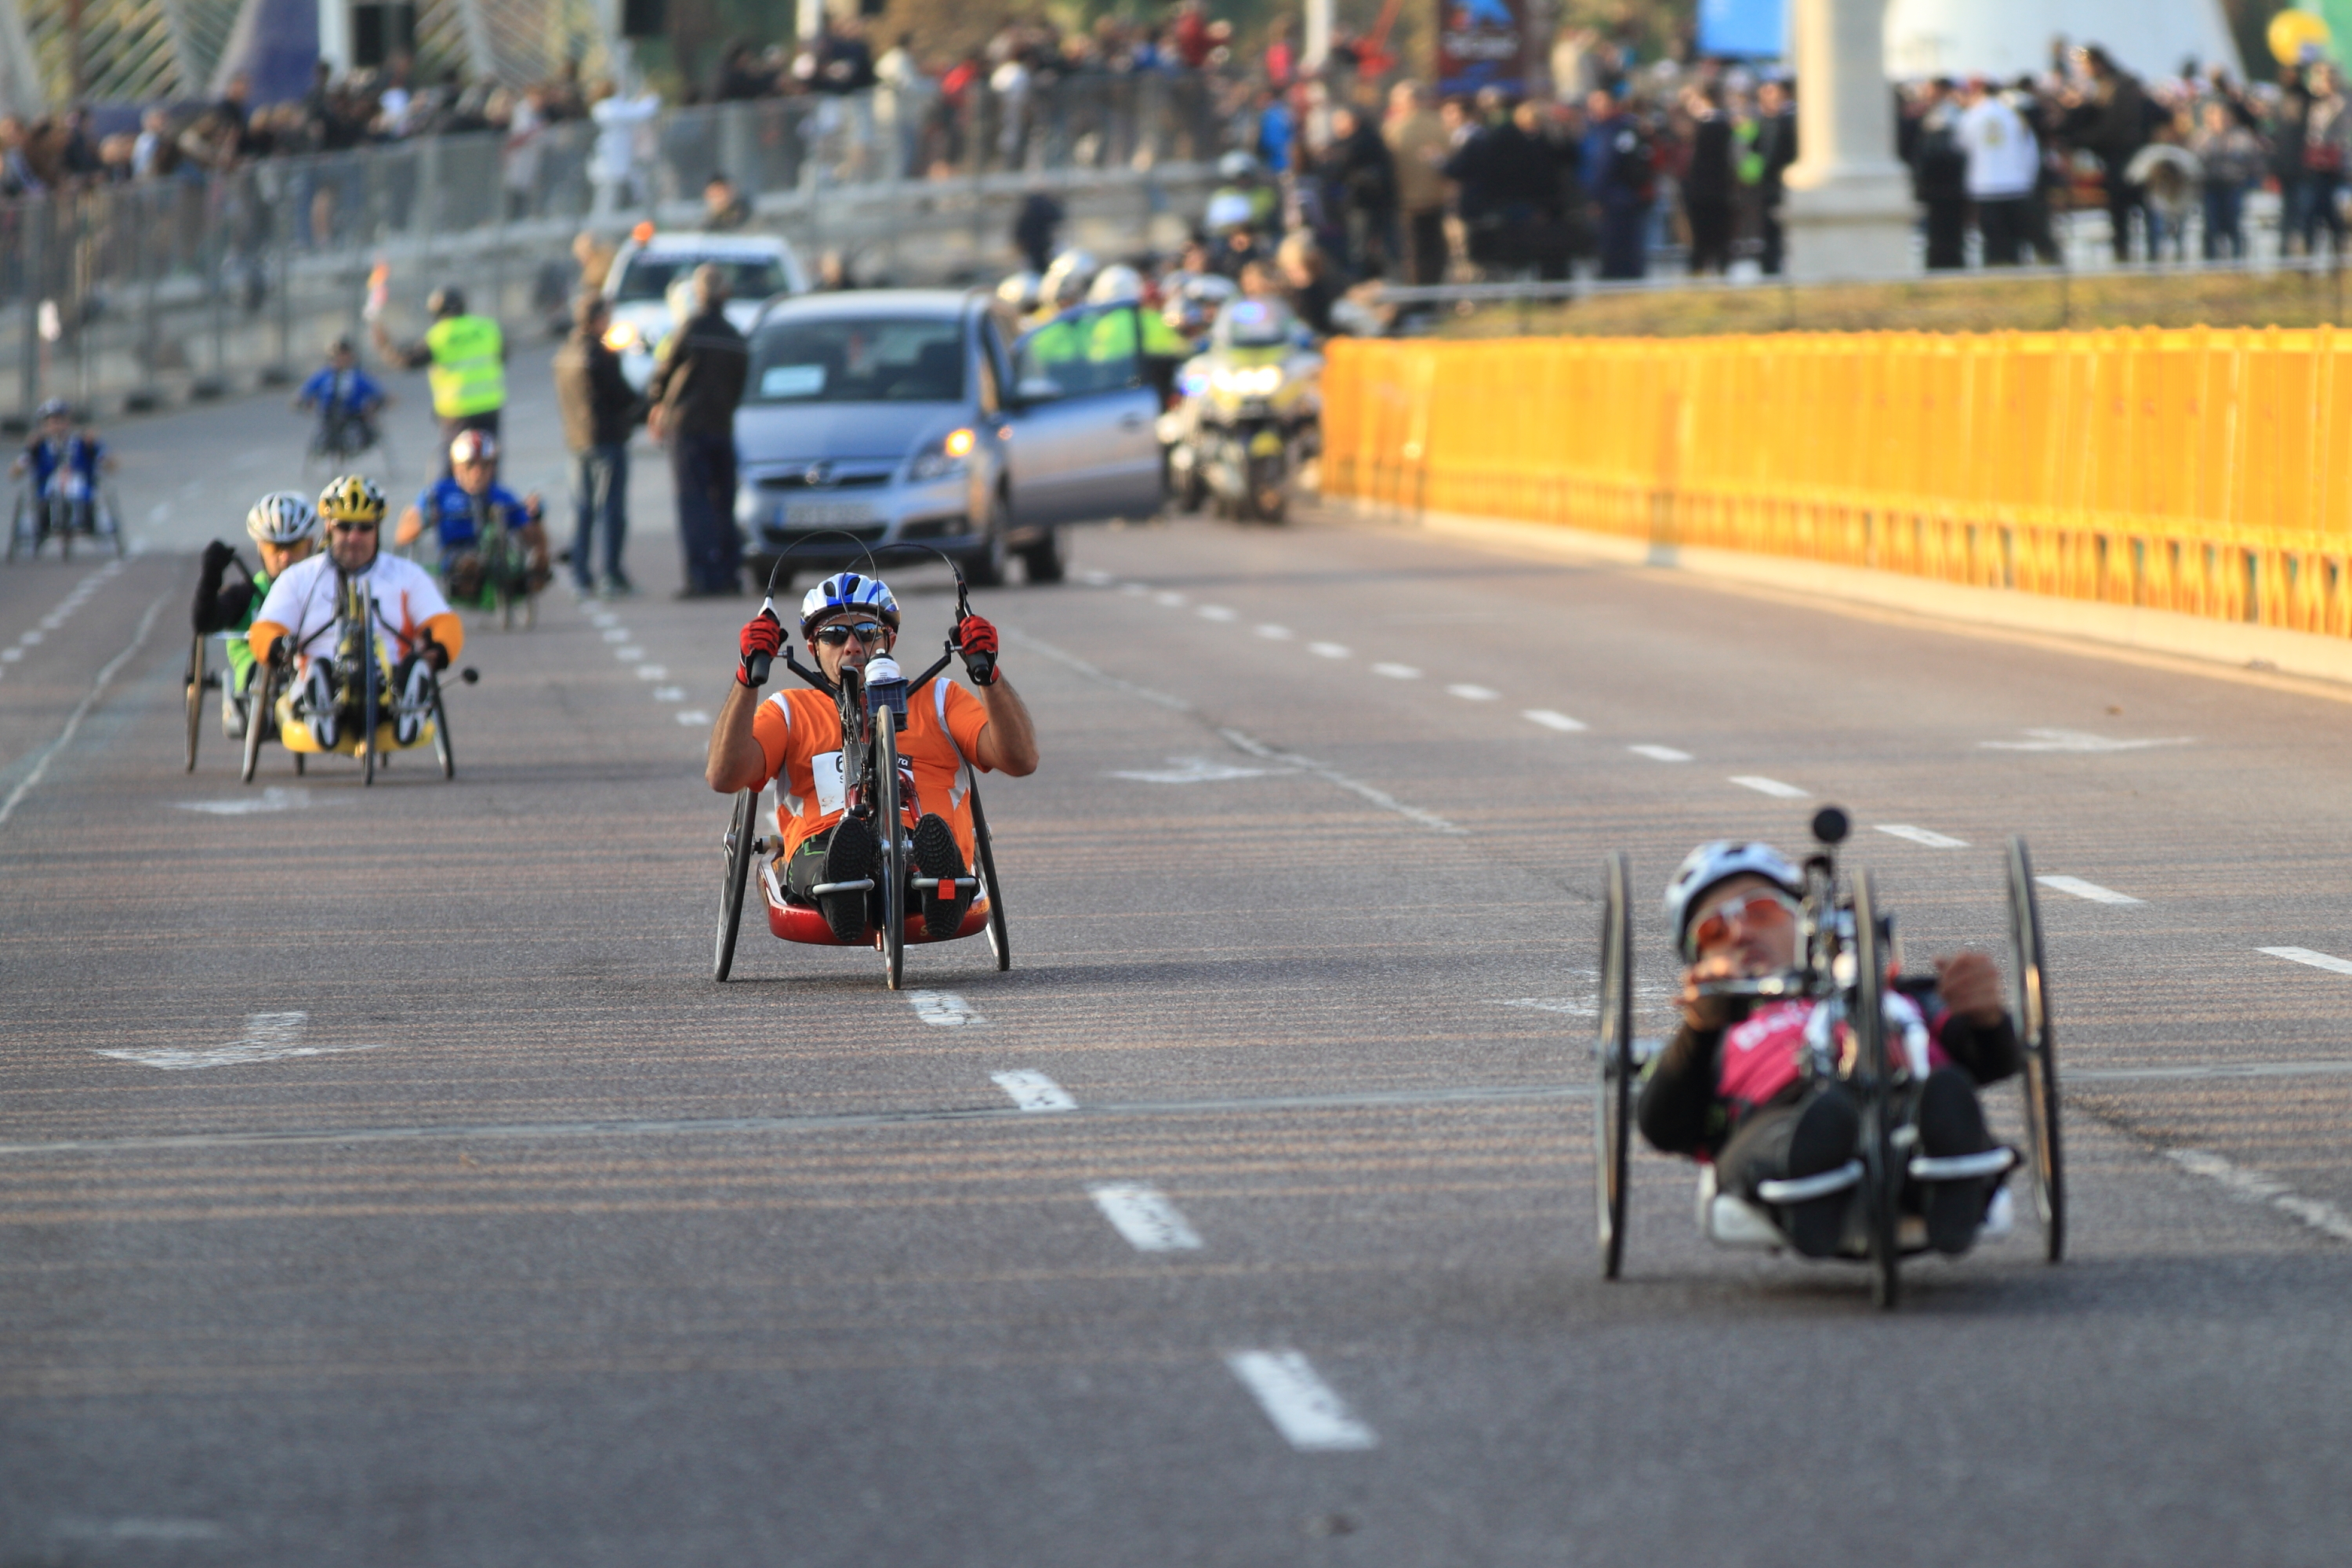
(1613, 1055)
(444, 747)
(1000, 939)
(737, 847)
(2044, 1163)
(894, 855)
(262, 701)
(1883, 1177)
(195, 697)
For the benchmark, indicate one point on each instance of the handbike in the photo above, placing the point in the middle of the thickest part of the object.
(199, 679)
(1846, 951)
(871, 717)
(362, 692)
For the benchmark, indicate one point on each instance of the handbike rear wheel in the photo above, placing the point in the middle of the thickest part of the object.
(2045, 1163)
(894, 855)
(261, 706)
(1613, 1057)
(195, 697)
(1882, 1177)
(737, 847)
(444, 747)
(1000, 940)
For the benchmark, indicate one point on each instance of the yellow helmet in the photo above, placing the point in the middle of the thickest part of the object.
(355, 497)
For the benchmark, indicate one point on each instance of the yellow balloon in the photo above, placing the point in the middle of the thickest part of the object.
(2291, 30)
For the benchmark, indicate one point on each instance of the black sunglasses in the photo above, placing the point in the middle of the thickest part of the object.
(840, 632)
(354, 527)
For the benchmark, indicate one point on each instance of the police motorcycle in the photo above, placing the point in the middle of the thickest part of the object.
(1846, 957)
(1246, 414)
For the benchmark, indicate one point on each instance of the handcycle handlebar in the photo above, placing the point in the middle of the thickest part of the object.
(1757, 987)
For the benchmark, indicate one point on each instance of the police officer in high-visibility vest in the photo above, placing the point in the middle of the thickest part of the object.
(464, 358)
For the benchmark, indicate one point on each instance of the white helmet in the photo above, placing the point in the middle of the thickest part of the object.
(848, 591)
(1710, 865)
(282, 517)
(1020, 291)
(1115, 285)
(1066, 281)
(1228, 210)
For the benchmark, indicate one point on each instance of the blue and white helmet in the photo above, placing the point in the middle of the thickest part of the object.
(848, 591)
(1709, 865)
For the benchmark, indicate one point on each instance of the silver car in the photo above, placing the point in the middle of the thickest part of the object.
(883, 417)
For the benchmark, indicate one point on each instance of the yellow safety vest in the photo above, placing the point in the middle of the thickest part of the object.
(468, 374)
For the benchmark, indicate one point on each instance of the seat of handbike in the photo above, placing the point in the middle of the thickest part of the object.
(806, 923)
(1728, 1219)
(296, 737)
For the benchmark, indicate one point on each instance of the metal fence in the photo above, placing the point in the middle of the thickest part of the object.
(187, 285)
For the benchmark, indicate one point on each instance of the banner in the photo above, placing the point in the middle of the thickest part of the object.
(1481, 43)
(1745, 29)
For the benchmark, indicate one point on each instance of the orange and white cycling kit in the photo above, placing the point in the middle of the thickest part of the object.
(305, 600)
(800, 734)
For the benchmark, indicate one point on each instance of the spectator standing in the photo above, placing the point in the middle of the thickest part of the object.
(695, 387)
(1708, 180)
(1418, 145)
(1358, 178)
(599, 409)
(2231, 156)
(1939, 178)
(1620, 180)
(2003, 163)
(464, 357)
(1775, 149)
(1035, 226)
(2326, 152)
(724, 210)
(2110, 119)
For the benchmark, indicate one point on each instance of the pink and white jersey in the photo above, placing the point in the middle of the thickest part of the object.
(1765, 1054)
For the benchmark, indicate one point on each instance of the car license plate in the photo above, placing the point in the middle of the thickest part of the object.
(827, 513)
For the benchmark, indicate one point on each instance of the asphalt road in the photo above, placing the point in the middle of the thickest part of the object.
(382, 1180)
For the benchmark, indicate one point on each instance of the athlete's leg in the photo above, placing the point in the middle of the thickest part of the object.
(315, 705)
(412, 683)
(1811, 1136)
(937, 855)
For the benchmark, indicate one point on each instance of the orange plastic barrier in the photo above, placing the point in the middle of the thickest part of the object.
(2208, 472)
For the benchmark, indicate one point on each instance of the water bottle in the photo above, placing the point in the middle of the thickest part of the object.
(886, 687)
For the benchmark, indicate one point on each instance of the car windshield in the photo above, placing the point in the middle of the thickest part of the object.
(890, 359)
(748, 277)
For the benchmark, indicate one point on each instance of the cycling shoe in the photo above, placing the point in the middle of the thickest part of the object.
(850, 857)
(1952, 1122)
(1822, 1140)
(935, 856)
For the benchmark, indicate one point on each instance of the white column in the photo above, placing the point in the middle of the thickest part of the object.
(1849, 212)
(1319, 35)
(335, 35)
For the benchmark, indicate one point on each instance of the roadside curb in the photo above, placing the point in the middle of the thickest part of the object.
(2303, 662)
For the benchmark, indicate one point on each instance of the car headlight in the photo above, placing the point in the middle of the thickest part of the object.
(620, 337)
(950, 454)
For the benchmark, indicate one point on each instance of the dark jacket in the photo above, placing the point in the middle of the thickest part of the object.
(1708, 180)
(599, 406)
(700, 377)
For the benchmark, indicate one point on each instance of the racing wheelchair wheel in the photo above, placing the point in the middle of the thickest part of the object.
(999, 940)
(737, 847)
(2044, 1160)
(1882, 1177)
(263, 696)
(195, 697)
(23, 537)
(893, 834)
(1613, 1055)
(370, 696)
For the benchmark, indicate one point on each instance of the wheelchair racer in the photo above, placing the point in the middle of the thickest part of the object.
(284, 527)
(460, 503)
(299, 624)
(794, 737)
(64, 463)
(1731, 1085)
(346, 399)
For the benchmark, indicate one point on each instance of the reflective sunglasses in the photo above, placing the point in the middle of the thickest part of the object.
(840, 632)
(1754, 911)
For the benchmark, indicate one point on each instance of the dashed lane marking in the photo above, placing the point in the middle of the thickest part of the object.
(652, 672)
(1097, 579)
(276, 797)
(1310, 1417)
(269, 1037)
(2317, 960)
(693, 716)
(1272, 633)
(628, 655)
(2255, 1187)
(1143, 1215)
(944, 1009)
(2090, 891)
(1469, 693)
(1772, 787)
(1660, 754)
(1551, 721)
(73, 721)
(1328, 649)
(2079, 740)
(1033, 1091)
(1215, 613)
(669, 693)
(1172, 600)
(1194, 770)
(618, 634)
(1397, 671)
(1927, 836)
(1379, 798)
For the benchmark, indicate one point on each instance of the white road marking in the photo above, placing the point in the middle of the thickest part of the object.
(1195, 770)
(1143, 1215)
(1170, 599)
(692, 716)
(269, 1037)
(618, 634)
(1034, 1090)
(1551, 721)
(2317, 960)
(1159, 699)
(276, 797)
(1469, 693)
(1302, 1406)
(30, 638)
(1328, 649)
(11, 655)
(139, 1529)
(1772, 787)
(669, 693)
(1274, 633)
(1379, 798)
(944, 1008)
(1215, 613)
(1927, 836)
(81, 710)
(1660, 754)
(1097, 579)
(2255, 1187)
(628, 655)
(652, 672)
(2079, 740)
(1138, 589)
(1397, 671)
(2090, 891)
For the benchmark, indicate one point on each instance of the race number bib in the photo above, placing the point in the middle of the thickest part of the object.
(832, 795)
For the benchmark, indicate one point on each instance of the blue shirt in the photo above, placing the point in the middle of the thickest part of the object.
(448, 512)
(80, 452)
(359, 394)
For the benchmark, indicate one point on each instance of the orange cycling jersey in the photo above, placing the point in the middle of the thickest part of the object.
(799, 733)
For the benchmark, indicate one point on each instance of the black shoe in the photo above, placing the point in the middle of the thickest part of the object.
(1822, 1140)
(935, 856)
(850, 857)
(1952, 1122)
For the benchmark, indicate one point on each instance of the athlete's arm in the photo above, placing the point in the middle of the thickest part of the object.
(263, 637)
(738, 761)
(411, 523)
(1009, 745)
